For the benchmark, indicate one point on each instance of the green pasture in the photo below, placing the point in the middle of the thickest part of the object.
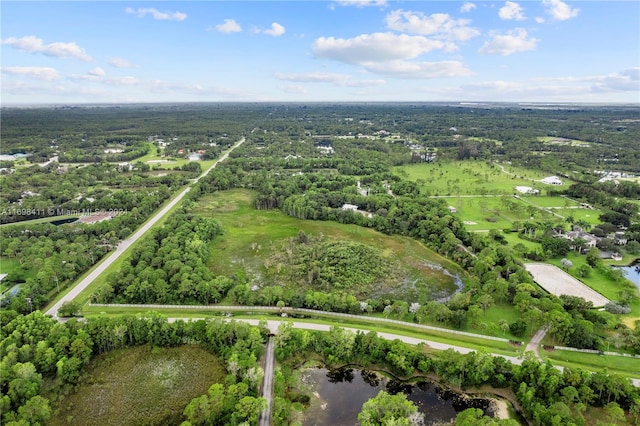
(551, 201)
(552, 140)
(140, 385)
(471, 178)
(481, 213)
(15, 271)
(153, 156)
(626, 366)
(8, 265)
(252, 237)
(514, 239)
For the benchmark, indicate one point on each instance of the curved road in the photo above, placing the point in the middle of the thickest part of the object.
(126, 243)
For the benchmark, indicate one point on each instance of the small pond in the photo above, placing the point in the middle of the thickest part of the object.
(632, 272)
(338, 396)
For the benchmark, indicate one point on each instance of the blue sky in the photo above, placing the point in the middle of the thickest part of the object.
(351, 50)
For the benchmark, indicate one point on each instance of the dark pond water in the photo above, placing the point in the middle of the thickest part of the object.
(64, 221)
(339, 395)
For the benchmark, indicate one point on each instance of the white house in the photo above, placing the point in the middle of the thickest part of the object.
(552, 180)
(351, 207)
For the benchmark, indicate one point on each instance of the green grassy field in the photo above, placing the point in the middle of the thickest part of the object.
(551, 140)
(629, 367)
(155, 159)
(8, 265)
(471, 178)
(140, 385)
(12, 267)
(253, 240)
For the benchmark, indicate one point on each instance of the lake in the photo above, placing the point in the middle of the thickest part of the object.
(339, 395)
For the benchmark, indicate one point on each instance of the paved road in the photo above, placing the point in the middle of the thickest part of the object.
(125, 244)
(274, 324)
(534, 343)
(267, 383)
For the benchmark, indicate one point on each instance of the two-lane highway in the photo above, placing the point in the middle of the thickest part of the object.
(125, 244)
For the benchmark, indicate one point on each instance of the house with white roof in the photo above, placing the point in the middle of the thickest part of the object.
(552, 180)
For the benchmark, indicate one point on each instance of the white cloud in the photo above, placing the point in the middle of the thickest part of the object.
(559, 10)
(507, 44)
(160, 86)
(376, 47)
(296, 89)
(540, 20)
(98, 72)
(365, 83)
(229, 26)
(389, 54)
(361, 3)
(333, 78)
(98, 75)
(623, 81)
(313, 77)
(467, 7)
(511, 10)
(156, 14)
(32, 44)
(420, 70)
(42, 73)
(440, 25)
(276, 30)
(120, 63)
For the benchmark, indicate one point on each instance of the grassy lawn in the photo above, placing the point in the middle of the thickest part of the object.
(155, 159)
(8, 266)
(551, 140)
(471, 177)
(480, 213)
(513, 239)
(12, 267)
(140, 385)
(547, 201)
(252, 239)
(629, 367)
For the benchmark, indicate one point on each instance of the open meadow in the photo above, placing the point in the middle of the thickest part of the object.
(472, 178)
(140, 385)
(263, 246)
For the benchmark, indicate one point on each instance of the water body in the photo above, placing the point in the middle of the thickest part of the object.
(632, 272)
(339, 395)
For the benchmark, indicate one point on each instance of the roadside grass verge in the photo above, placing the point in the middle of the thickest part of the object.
(139, 385)
(626, 366)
